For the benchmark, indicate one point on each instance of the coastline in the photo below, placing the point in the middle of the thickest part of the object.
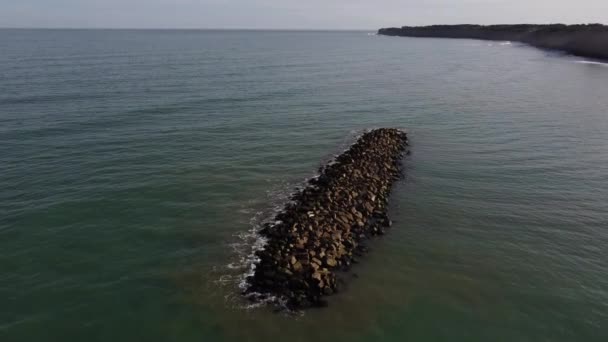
(587, 40)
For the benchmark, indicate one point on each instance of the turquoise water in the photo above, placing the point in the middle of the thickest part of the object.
(134, 164)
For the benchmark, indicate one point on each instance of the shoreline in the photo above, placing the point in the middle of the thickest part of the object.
(587, 40)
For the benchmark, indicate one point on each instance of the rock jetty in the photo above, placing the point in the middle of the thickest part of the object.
(589, 40)
(322, 230)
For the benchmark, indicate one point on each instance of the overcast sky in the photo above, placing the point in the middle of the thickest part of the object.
(295, 14)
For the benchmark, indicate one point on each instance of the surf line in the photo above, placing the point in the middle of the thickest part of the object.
(323, 229)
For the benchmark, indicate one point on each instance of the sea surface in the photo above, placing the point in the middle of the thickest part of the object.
(134, 166)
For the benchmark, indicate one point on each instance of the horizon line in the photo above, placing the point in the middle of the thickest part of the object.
(188, 29)
(267, 29)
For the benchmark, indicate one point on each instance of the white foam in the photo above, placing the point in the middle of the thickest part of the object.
(604, 64)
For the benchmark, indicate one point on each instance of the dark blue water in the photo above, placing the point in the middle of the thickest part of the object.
(133, 164)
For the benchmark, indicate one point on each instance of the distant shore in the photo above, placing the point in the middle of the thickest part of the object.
(589, 40)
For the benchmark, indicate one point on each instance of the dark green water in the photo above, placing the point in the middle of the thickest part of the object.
(133, 164)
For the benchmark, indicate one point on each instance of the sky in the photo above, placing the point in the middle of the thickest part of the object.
(293, 14)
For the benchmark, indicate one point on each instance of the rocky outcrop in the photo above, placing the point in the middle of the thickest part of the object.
(322, 230)
(581, 40)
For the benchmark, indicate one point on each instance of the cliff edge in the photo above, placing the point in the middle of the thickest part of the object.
(588, 40)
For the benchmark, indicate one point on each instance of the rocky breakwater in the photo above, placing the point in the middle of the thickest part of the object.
(322, 230)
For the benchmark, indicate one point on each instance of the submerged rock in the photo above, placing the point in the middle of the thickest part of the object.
(321, 232)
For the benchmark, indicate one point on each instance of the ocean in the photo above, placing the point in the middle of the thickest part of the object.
(135, 166)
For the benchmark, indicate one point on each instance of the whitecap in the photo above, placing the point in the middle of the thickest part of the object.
(604, 64)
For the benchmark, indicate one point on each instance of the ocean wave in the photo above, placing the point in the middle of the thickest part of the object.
(604, 64)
